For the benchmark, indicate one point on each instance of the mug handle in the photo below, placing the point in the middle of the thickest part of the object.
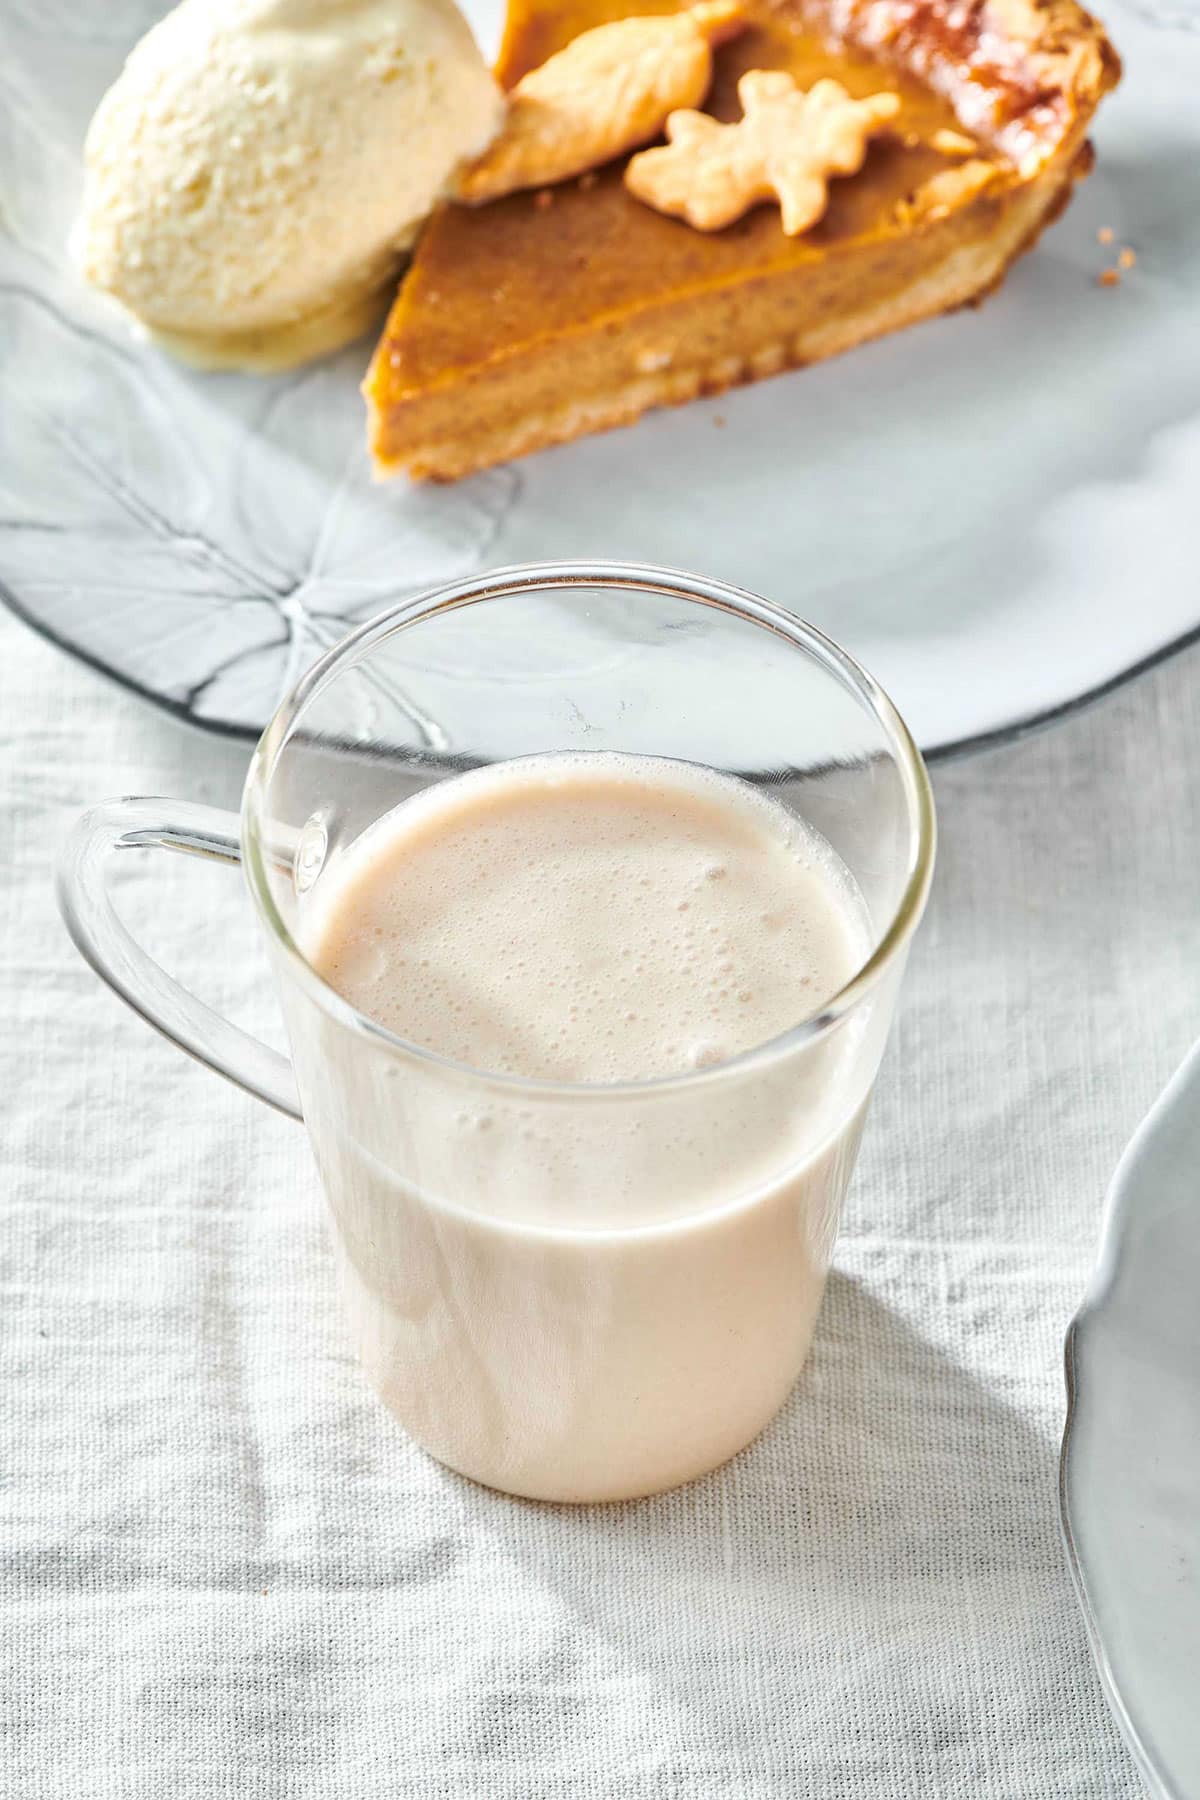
(104, 942)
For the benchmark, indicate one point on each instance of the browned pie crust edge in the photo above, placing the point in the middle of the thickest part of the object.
(1023, 78)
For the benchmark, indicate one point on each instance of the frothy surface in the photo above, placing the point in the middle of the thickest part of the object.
(588, 918)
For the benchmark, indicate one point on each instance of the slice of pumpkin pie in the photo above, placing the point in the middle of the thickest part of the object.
(832, 170)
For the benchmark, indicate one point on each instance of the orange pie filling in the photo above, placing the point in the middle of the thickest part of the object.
(549, 313)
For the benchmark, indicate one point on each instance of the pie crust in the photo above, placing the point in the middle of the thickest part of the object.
(549, 314)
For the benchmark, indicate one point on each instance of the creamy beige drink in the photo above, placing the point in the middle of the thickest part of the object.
(567, 1295)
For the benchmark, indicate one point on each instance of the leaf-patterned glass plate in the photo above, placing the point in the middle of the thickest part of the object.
(1129, 1485)
(995, 511)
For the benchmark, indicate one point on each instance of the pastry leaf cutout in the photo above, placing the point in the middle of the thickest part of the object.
(785, 147)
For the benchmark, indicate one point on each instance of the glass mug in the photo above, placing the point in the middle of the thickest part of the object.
(539, 1329)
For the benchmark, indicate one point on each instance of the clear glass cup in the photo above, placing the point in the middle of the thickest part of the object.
(577, 1339)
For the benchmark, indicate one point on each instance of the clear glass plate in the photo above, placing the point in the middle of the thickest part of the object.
(994, 511)
(1130, 1477)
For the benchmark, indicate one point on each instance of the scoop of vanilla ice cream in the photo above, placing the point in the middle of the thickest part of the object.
(259, 165)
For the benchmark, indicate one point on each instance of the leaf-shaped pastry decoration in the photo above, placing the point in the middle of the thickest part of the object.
(785, 147)
(608, 91)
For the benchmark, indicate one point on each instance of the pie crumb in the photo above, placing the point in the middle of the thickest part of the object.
(953, 143)
(719, 421)
(1109, 277)
(1105, 235)
(588, 179)
(543, 198)
(1126, 259)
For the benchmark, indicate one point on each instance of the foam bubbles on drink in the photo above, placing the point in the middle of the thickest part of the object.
(588, 918)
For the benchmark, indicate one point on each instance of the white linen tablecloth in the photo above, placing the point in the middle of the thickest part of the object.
(225, 1570)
